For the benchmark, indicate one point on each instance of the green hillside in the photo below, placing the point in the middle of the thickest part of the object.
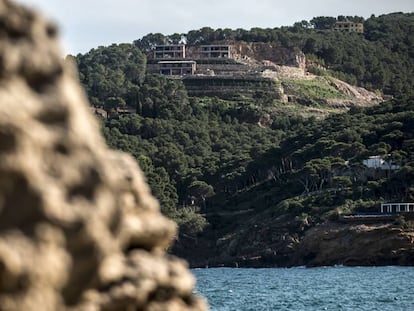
(213, 161)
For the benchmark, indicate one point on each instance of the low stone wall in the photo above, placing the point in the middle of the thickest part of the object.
(231, 86)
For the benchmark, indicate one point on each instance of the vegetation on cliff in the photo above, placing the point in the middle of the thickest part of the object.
(215, 156)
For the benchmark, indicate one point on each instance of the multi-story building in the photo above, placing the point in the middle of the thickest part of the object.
(215, 51)
(169, 51)
(173, 60)
(349, 27)
(177, 68)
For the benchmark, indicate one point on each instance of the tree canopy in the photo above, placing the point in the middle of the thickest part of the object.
(204, 153)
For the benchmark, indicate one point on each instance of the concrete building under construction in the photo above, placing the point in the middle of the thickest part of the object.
(215, 51)
(347, 26)
(177, 68)
(176, 51)
(181, 60)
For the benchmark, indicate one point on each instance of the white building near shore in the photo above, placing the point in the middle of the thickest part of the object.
(377, 162)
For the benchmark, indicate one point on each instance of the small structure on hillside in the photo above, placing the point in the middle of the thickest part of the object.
(348, 26)
(177, 68)
(99, 111)
(377, 162)
(125, 110)
(397, 207)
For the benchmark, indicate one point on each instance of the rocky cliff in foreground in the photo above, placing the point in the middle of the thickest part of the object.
(79, 229)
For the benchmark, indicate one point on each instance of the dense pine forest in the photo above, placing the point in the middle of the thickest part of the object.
(206, 155)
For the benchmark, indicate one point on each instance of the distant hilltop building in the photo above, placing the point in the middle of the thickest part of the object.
(347, 26)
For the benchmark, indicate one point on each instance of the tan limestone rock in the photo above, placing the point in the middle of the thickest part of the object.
(79, 229)
(356, 244)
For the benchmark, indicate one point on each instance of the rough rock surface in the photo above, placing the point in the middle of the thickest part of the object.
(79, 229)
(356, 244)
(266, 52)
(286, 241)
(358, 95)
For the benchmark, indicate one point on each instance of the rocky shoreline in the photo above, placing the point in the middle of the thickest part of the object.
(295, 243)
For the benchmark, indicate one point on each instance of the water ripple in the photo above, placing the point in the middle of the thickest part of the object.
(326, 288)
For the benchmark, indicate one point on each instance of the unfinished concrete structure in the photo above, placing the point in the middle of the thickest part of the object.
(177, 68)
(179, 51)
(349, 27)
(175, 61)
(174, 51)
(215, 51)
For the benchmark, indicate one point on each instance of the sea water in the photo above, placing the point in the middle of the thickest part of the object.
(307, 289)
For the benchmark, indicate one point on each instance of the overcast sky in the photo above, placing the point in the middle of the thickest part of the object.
(86, 24)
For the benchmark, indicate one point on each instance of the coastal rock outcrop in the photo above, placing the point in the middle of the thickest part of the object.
(356, 244)
(287, 241)
(79, 228)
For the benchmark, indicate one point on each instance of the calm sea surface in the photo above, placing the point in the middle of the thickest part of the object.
(327, 288)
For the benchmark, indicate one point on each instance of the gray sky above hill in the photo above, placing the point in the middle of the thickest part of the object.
(86, 24)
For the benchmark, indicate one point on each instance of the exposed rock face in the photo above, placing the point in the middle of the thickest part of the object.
(79, 229)
(286, 241)
(358, 95)
(347, 244)
(266, 52)
(268, 242)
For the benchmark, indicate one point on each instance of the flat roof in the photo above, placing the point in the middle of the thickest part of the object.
(223, 45)
(168, 45)
(358, 23)
(177, 62)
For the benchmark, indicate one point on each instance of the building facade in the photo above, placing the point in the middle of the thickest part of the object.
(179, 60)
(169, 51)
(215, 51)
(349, 27)
(377, 162)
(177, 68)
(397, 208)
